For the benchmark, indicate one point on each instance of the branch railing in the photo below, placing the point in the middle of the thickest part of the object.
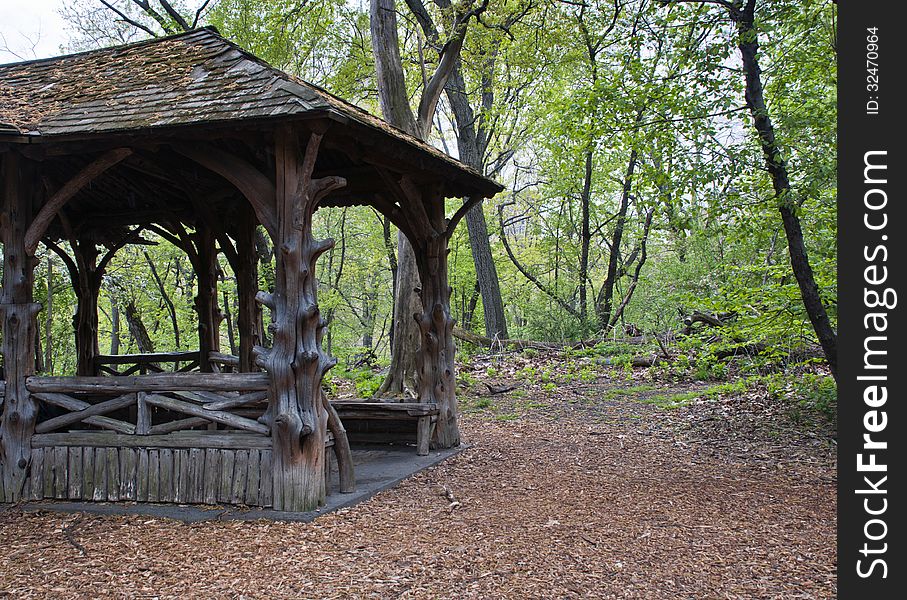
(162, 362)
(80, 409)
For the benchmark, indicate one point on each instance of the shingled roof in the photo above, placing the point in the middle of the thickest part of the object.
(187, 79)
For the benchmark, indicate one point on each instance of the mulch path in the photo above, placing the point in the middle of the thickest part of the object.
(614, 499)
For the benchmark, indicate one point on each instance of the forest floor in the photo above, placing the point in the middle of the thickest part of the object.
(581, 482)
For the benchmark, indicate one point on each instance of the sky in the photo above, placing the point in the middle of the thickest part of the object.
(27, 23)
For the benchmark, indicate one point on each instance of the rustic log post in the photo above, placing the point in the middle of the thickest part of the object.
(296, 363)
(87, 284)
(19, 314)
(246, 270)
(206, 305)
(435, 361)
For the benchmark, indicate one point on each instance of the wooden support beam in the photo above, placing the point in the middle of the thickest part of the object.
(296, 363)
(64, 194)
(253, 184)
(18, 315)
(246, 271)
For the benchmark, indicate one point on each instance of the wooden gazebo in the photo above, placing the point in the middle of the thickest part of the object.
(193, 138)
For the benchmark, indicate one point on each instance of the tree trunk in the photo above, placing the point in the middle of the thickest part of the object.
(137, 328)
(394, 100)
(86, 282)
(171, 309)
(296, 363)
(49, 319)
(249, 319)
(401, 379)
(19, 314)
(809, 290)
(206, 302)
(586, 237)
(114, 326)
(482, 257)
(437, 381)
(605, 298)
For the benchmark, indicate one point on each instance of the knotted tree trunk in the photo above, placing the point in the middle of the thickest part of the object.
(435, 360)
(296, 363)
(18, 313)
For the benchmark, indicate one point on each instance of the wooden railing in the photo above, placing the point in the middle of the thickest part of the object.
(162, 362)
(145, 406)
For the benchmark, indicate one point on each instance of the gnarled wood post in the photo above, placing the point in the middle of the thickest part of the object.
(246, 270)
(18, 313)
(86, 282)
(296, 363)
(206, 306)
(435, 361)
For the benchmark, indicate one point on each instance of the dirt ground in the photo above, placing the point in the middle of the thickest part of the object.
(575, 492)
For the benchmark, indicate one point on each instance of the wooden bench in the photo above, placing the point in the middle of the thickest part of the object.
(425, 415)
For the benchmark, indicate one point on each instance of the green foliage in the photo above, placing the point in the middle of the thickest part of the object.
(551, 84)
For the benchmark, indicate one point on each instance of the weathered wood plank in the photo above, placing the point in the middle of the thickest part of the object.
(113, 474)
(100, 474)
(164, 382)
(75, 473)
(61, 464)
(216, 416)
(213, 466)
(154, 475)
(179, 439)
(225, 492)
(69, 403)
(253, 478)
(240, 469)
(127, 473)
(47, 475)
(141, 475)
(183, 483)
(165, 463)
(36, 477)
(91, 411)
(266, 487)
(196, 475)
(383, 410)
(87, 473)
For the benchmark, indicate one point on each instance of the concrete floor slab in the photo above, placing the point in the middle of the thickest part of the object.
(378, 468)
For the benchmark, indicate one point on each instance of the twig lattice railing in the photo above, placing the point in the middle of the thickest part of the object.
(183, 437)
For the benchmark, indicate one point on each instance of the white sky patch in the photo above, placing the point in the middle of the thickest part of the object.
(30, 29)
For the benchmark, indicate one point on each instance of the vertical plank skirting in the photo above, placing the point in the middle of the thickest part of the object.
(180, 475)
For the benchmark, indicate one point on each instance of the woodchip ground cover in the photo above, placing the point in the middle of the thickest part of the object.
(579, 490)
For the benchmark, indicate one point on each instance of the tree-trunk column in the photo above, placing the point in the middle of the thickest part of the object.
(206, 306)
(249, 316)
(87, 285)
(437, 371)
(296, 363)
(18, 313)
